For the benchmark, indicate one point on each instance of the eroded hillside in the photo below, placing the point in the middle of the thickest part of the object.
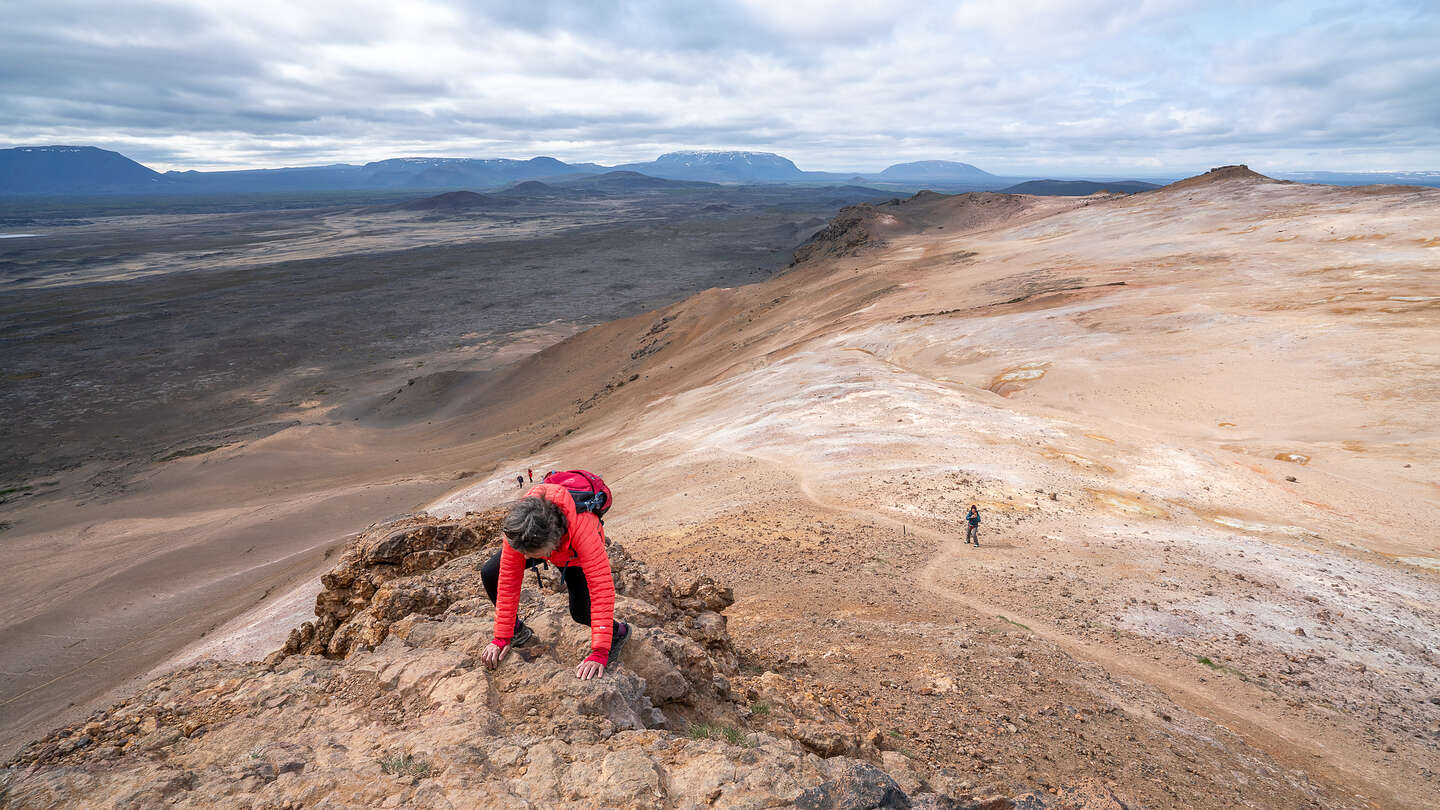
(1198, 423)
(402, 714)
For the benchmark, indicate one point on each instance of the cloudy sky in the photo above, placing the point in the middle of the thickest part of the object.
(1013, 86)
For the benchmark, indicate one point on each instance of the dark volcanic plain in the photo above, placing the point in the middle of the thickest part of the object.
(268, 340)
(127, 338)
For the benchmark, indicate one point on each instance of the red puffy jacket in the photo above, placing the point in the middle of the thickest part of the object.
(583, 544)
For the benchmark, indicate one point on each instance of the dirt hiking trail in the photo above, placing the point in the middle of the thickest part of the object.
(1198, 423)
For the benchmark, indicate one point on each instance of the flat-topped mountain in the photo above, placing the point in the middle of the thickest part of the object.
(930, 170)
(62, 169)
(720, 167)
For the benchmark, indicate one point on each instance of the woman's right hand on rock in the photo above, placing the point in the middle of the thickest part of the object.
(492, 654)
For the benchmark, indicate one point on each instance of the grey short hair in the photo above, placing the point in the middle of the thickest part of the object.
(533, 525)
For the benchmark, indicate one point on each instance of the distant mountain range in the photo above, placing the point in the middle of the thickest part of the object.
(1363, 178)
(396, 173)
(89, 170)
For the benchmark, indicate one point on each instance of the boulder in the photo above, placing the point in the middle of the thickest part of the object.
(903, 771)
(856, 786)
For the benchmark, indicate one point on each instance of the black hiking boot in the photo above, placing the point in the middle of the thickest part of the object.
(523, 637)
(617, 642)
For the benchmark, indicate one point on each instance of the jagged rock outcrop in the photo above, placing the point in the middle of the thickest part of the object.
(843, 236)
(1224, 174)
(414, 720)
(375, 582)
(396, 574)
(859, 228)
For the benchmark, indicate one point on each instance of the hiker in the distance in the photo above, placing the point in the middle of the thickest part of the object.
(519, 480)
(531, 475)
(558, 521)
(972, 529)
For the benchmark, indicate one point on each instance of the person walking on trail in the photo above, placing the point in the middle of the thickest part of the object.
(531, 475)
(557, 524)
(519, 480)
(972, 528)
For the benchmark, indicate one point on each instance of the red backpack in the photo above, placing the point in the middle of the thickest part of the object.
(588, 490)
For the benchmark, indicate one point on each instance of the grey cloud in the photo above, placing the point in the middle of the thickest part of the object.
(681, 26)
(1001, 84)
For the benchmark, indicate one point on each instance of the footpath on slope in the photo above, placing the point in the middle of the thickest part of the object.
(917, 364)
(835, 601)
(834, 604)
(1292, 741)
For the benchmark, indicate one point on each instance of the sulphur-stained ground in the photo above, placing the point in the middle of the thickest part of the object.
(1200, 428)
(1199, 425)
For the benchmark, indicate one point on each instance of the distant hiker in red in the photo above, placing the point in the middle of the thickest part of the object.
(531, 474)
(557, 521)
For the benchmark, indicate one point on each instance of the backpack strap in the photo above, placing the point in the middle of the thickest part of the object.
(591, 502)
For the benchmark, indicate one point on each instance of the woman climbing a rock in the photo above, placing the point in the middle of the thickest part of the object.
(558, 521)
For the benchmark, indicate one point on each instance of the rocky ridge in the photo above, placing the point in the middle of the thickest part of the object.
(382, 702)
(844, 235)
(1221, 174)
(869, 226)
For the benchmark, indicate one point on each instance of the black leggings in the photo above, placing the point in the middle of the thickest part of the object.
(575, 583)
